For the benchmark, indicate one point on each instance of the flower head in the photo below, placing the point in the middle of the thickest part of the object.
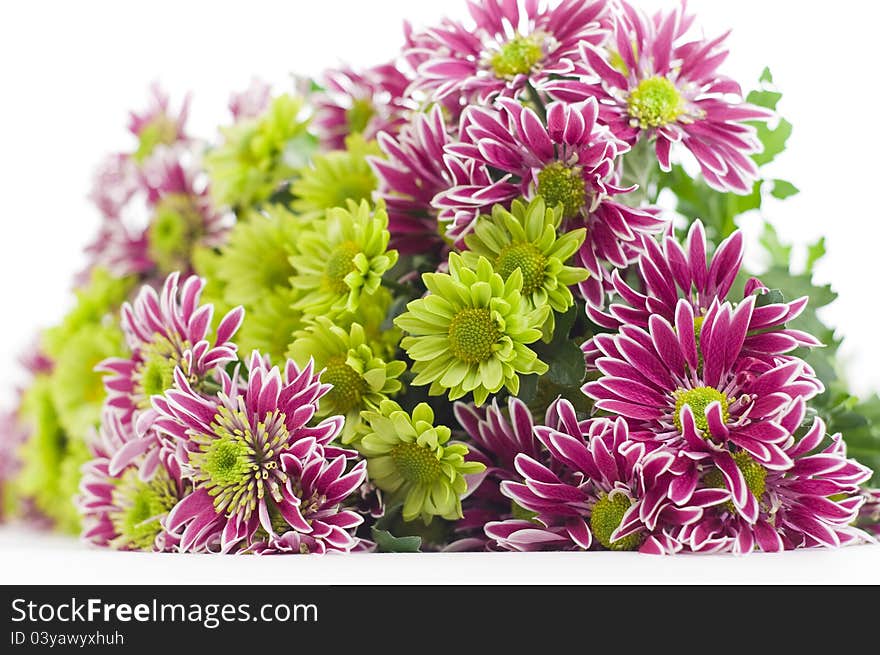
(470, 334)
(158, 125)
(568, 160)
(342, 259)
(600, 487)
(233, 444)
(669, 272)
(360, 377)
(411, 459)
(251, 102)
(525, 238)
(509, 45)
(259, 155)
(360, 103)
(653, 82)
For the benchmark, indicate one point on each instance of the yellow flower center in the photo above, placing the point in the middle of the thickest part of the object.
(528, 259)
(359, 115)
(655, 102)
(140, 508)
(416, 464)
(518, 56)
(754, 473)
(348, 385)
(562, 185)
(473, 335)
(698, 400)
(339, 264)
(606, 517)
(174, 229)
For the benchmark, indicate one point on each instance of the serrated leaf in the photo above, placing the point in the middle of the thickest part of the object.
(388, 543)
(774, 140)
(780, 253)
(566, 361)
(772, 297)
(815, 252)
(783, 189)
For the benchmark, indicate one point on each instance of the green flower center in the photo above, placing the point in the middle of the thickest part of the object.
(359, 115)
(517, 57)
(655, 102)
(238, 463)
(160, 131)
(698, 400)
(473, 335)
(607, 515)
(562, 185)
(339, 265)
(155, 375)
(528, 259)
(349, 386)
(415, 464)
(174, 229)
(141, 506)
(754, 473)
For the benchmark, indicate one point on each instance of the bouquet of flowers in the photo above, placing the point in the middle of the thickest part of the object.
(489, 295)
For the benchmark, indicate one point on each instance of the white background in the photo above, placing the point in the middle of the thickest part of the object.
(70, 71)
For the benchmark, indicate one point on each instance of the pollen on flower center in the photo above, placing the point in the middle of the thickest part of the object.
(155, 375)
(348, 385)
(174, 228)
(527, 258)
(562, 185)
(754, 474)
(606, 517)
(519, 56)
(359, 114)
(416, 464)
(141, 507)
(238, 465)
(340, 264)
(472, 335)
(698, 400)
(655, 102)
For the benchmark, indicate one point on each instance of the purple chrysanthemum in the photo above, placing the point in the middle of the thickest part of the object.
(258, 467)
(158, 124)
(668, 272)
(569, 160)
(814, 503)
(601, 487)
(125, 510)
(693, 388)
(12, 435)
(366, 103)
(869, 515)
(511, 43)
(251, 102)
(165, 331)
(410, 174)
(653, 82)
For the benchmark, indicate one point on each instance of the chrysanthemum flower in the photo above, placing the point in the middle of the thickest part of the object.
(869, 515)
(251, 102)
(114, 183)
(691, 386)
(511, 44)
(600, 485)
(668, 272)
(342, 258)
(233, 447)
(470, 334)
(334, 178)
(360, 103)
(525, 238)
(361, 378)
(569, 161)
(165, 331)
(814, 503)
(410, 174)
(271, 324)
(411, 459)
(12, 435)
(124, 511)
(158, 125)
(259, 155)
(655, 83)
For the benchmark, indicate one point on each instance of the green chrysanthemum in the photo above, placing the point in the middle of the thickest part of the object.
(256, 259)
(270, 325)
(77, 389)
(48, 457)
(470, 334)
(410, 458)
(176, 226)
(373, 317)
(525, 238)
(260, 154)
(342, 258)
(335, 178)
(207, 264)
(361, 379)
(101, 297)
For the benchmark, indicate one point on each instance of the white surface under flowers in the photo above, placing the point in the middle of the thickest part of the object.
(49, 559)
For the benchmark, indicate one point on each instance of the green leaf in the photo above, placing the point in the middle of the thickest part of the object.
(783, 189)
(388, 543)
(566, 361)
(772, 297)
(815, 252)
(780, 253)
